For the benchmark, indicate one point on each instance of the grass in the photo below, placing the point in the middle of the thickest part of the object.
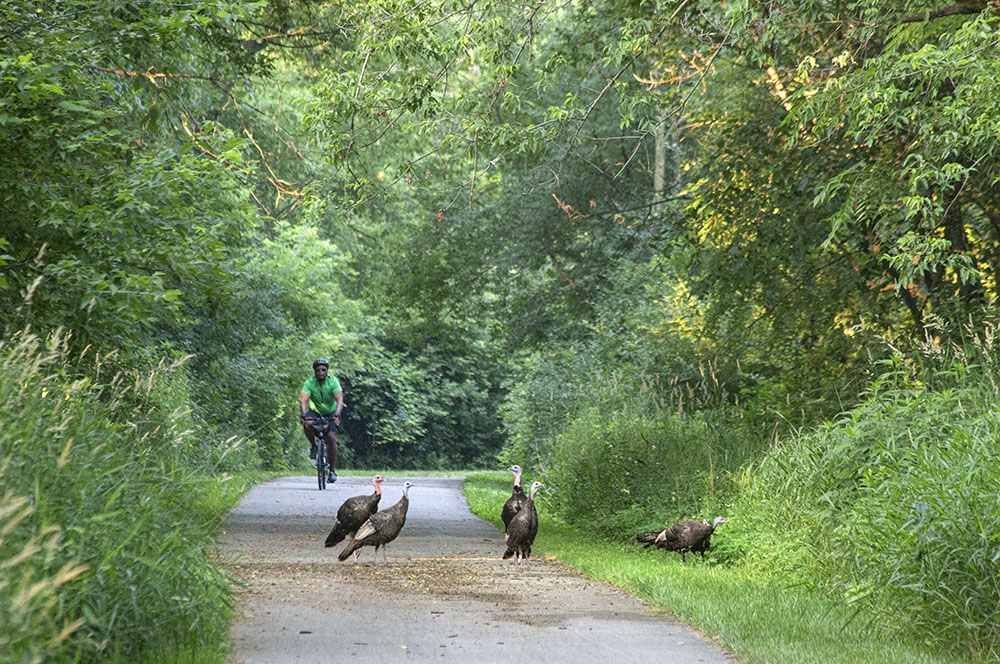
(215, 501)
(226, 493)
(762, 622)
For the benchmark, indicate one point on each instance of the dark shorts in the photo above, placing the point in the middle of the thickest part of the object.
(329, 418)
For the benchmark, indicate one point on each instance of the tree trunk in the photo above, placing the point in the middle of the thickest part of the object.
(660, 161)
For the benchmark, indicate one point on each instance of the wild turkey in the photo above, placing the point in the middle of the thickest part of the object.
(649, 538)
(522, 528)
(379, 529)
(353, 512)
(516, 500)
(683, 536)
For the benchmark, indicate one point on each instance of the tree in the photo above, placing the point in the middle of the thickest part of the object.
(116, 195)
(904, 91)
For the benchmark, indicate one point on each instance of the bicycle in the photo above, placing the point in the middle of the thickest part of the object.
(320, 426)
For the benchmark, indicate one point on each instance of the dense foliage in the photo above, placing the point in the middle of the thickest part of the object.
(668, 256)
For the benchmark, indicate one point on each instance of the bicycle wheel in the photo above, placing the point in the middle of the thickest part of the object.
(321, 463)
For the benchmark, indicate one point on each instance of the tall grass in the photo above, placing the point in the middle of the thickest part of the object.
(630, 473)
(636, 452)
(895, 507)
(104, 554)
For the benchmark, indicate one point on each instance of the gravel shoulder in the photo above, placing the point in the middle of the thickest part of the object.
(444, 594)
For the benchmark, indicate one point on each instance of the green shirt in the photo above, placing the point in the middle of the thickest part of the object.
(321, 395)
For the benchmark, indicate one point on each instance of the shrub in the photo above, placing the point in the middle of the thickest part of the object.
(923, 536)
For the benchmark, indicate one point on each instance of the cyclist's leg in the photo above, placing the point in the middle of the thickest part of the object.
(331, 450)
(308, 431)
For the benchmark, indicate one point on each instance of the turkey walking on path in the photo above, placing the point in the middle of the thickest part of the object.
(379, 529)
(354, 512)
(516, 500)
(522, 528)
(682, 536)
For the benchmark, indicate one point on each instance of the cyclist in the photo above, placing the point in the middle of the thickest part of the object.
(321, 395)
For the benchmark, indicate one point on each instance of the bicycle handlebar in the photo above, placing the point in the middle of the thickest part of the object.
(321, 423)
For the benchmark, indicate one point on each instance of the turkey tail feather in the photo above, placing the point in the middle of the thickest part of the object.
(336, 535)
(351, 547)
(647, 538)
(367, 528)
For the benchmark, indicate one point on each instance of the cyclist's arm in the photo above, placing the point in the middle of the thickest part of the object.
(303, 403)
(339, 396)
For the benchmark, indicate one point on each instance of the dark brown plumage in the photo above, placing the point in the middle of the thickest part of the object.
(353, 512)
(379, 529)
(522, 528)
(516, 500)
(702, 546)
(683, 536)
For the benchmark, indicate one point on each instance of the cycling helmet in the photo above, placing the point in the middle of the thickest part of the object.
(321, 361)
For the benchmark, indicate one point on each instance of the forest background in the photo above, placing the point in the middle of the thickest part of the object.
(676, 259)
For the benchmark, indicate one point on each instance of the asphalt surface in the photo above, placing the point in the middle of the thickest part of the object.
(443, 596)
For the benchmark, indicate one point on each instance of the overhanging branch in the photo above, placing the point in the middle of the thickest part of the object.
(957, 9)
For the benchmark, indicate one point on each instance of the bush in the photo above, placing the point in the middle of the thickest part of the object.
(630, 474)
(923, 536)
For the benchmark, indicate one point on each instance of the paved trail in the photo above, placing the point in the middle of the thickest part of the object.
(444, 596)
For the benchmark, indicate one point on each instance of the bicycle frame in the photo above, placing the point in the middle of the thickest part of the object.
(321, 426)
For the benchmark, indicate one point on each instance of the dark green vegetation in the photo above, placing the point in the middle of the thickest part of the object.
(676, 259)
(105, 528)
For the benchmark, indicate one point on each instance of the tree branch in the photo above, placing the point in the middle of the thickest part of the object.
(957, 9)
